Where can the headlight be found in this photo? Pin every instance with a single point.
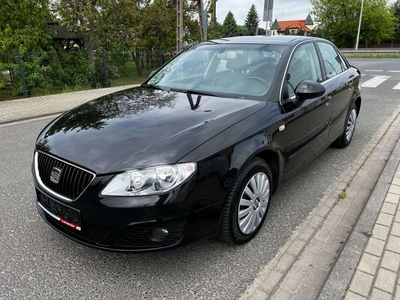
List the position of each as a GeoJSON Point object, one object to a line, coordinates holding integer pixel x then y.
{"type": "Point", "coordinates": [149, 181]}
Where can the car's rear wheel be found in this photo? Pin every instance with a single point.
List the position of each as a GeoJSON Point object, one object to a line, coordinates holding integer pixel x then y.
{"type": "Point", "coordinates": [247, 203]}
{"type": "Point", "coordinates": [344, 140]}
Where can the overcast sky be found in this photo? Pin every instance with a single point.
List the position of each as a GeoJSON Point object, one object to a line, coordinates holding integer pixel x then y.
{"type": "Point", "coordinates": [289, 9]}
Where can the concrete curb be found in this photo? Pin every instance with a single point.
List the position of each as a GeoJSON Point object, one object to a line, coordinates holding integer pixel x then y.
{"type": "Point", "coordinates": [300, 268]}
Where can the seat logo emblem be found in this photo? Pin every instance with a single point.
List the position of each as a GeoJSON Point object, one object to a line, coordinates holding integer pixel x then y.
{"type": "Point", "coordinates": [55, 175]}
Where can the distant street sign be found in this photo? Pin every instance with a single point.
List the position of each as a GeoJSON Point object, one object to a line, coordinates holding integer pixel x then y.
{"type": "Point", "coordinates": [271, 23]}
{"type": "Point", "coordinates": [268, 7]}
{"type": "Point", "coordinates": [268, 4]}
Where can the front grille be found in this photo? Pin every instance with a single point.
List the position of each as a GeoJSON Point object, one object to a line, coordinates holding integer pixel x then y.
{"type": "Point", "coordinates": [72, 181]}
{"type": "Point", "coordinates": [138, 236]}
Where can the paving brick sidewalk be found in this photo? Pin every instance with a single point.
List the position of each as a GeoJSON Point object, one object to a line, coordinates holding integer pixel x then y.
{"type": "Point", "coordinates": [27, 108]}
{"type": "Point", "coordinates": [377, 273]}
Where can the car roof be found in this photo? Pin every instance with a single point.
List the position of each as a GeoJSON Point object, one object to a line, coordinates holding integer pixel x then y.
{"type": "Point", "coordinates": [263, 39]}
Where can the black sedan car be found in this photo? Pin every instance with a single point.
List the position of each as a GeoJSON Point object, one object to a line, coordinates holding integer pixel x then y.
{"type": "Point", "coordinates": [199, 148]}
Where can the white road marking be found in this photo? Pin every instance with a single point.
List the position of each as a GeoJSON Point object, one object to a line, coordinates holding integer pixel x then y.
{"type": "Point", "coordinates": [394, 71]}
{"type": "Point", "coordinates": [373, 70]}
{"type": "Point", "coordinates": [375, 81]}
{"type": "Point", "coordinates": [397, 87]}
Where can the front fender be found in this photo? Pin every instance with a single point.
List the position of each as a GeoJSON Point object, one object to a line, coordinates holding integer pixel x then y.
{"type": "Point", "coordinates": [225, 154]}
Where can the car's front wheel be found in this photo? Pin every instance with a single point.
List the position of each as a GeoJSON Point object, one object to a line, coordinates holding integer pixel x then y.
{"type": "Point", "coordinates": [344, 140]}
{"type": "Point", "coordinates": [247, 203]}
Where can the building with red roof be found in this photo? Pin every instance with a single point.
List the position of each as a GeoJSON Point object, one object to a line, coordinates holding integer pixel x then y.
{"type": "Point", "coordinates": [292, 26]}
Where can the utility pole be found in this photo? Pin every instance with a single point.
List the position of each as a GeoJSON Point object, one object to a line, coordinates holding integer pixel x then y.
{"type": "Point", "coordinates": [202, 17]}
{"type": "Point", "coordinates": [213, 9]}
{"type": "Point", "coordinates": [179, 26]}
{"type": "Point", "coordinates": [268, 8]}
{"type": "Point", "coordinates": [203, 25]}
{"type": "Point", "coordinates": [359, 25]}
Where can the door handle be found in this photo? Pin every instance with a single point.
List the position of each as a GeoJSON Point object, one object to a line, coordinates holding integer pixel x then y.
{"type": "Point", "coordinates": [350, 86]}
{"type": "Point", "coordinates": [328, 100]}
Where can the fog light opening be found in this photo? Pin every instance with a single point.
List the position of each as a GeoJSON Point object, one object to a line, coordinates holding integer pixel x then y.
{"type": "Point", "coordinates": [159, 234]}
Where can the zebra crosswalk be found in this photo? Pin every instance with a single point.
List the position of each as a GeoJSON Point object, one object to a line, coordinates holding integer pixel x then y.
{"type": "Point", "coordinates": [373, 81]}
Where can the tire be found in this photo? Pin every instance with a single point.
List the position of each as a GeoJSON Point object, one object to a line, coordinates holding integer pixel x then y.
{"type": "Point", "coordinates": [247, 204]}
{"type": "Point", "coordinates": [344, 140]}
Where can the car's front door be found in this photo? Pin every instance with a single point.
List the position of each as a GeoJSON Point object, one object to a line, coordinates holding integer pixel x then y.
{"type": "Point", "coordinates": [307, 122]}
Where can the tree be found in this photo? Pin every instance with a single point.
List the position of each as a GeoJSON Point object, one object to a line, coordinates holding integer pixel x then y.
{"type": "Point", "coordinates": [215, 31]}
{"type": "Point", "coordinates": [287, 31]}
{"type": "Point", "coordinates": [300, 32]}
{"type": "Point", "coordinates": [23, 25]}
{"type": "Point", "coordinates": [262, 31]}
{"type": "Point", "coordinates": [378, 22]}
{"type": "Point", "coordinates": [82, 17]}
{"type": "Point", "coordinates": [159, 24]}
{"type": "Point", "coordinates": [339, 21]}
{"type": "Point", "coordinates": [241, 30]}
{"type": "Point", "coordinates": [229, 26]}
{"type": "Point", "coordinates": [396, 13]}
{"type": "Point", "coordinates": [252, 21]}
{"type": "Point", "coordinates": [120, 28]}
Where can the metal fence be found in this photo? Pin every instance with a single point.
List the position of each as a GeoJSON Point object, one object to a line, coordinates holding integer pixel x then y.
{"type": "Point", "coordinates": [373, 51]}
{"type": "Point", "coordinates": [33, 73]}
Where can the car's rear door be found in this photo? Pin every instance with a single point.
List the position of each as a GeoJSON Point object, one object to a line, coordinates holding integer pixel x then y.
{"type": "Point", "coordinates": [338, 77]}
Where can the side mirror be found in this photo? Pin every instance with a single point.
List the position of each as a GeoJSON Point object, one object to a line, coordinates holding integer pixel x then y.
{"type": "Point", "coordinates": [152, 73]}
{"type": "Point", "coordinates": [308, 89]}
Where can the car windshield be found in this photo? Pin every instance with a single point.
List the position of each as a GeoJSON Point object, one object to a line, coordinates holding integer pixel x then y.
{"type": "Point", "coordinates": [235, 70]}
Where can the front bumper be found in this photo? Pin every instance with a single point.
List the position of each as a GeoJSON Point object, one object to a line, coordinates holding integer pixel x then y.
{"type": "Point", "coordinates": [119, 223]}
{"type": "Point", "coordinates": [189, 212]}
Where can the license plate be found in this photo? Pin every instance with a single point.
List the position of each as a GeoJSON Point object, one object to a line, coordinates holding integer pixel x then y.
{"type": "Point", "coordinates": [62, 213]}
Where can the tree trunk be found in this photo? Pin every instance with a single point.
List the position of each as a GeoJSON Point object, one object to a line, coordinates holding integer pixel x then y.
{"type": "Point", "coordinates": [90, 52]}
{"type": "Point", "coordinates": [136, 59]}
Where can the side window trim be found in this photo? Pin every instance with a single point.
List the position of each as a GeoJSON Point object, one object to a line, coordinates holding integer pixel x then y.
{"type": "Point", "coordinates": [321, 62]}
{"type": "Point", "coordinates": [343, 60]}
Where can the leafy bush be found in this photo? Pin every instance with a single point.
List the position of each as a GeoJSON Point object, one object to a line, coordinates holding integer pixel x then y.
{"type": "Point", "coordinates": [5, 79]}
{"type": "Point", "coordinates": [75, 68]}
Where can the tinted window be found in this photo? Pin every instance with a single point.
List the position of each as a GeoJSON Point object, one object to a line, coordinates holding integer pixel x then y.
{"type": "Point", "coordinates": [334, 64]}
{"type": "Point", "coordinates": [304, 65]}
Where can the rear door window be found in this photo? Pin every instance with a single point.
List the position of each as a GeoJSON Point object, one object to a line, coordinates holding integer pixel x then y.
{"type": "Point", "coordinates": [333, 62]}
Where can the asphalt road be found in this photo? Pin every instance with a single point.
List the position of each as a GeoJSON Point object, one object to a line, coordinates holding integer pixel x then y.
{"type": "Point", "coordinates": [36, 262]}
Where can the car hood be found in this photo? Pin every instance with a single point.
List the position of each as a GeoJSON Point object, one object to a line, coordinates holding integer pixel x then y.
{"type": "Point", "coordinates": [138, 128]}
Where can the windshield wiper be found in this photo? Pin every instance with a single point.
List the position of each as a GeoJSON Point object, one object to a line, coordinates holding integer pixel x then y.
{"type": "Point", "coordinates": [192, 92]}
{"type": "Point", "coordinates": [153, 86]}
{"type": "Point", "coordinates": [189, 94]}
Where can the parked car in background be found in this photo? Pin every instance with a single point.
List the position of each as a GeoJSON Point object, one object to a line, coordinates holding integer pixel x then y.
{"type": "Point", "coordinates": [199, 148]}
